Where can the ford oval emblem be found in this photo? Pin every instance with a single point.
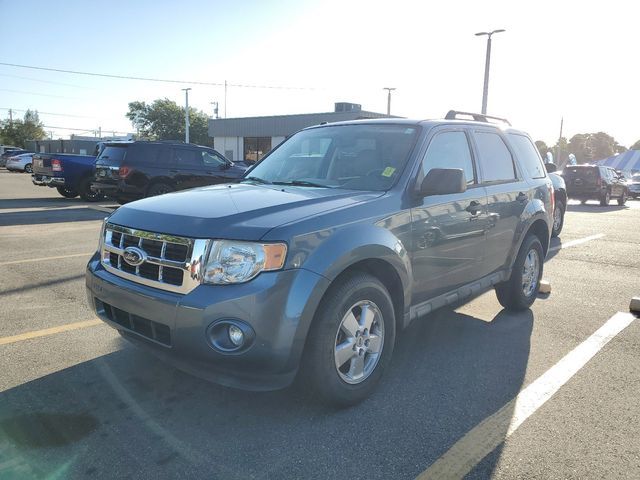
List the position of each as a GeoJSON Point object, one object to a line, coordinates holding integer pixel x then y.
{"type": "Point", "coordinates": [134, 256]}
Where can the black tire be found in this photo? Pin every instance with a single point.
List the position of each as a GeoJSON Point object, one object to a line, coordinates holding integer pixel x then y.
{"type": "Point", "coordinates": [159, 189]}
{"type": "Point", "coordinates": [557, 225]}
{"type": "Point", "coordinates": [67, 192]}
{"type": "Point", "coordinates": [319, 374]}
{"type": "Point", "coordinates": [511, 294]}
{"type": "Point", "coordinates": [623, 199]}
{"type": "Point", "coordinates": [583, 202]}
{"type": "Point", "coordinates": [122, 201]}
{"type": "Point", "coordinates": [28, 168]}
{"type": "Point", "coordinates": [88, 195]}
{"type": "Point", "coordinates": [605, 199]}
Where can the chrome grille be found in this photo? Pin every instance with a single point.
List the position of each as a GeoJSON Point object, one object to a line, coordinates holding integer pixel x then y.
{"type": "Point", "coordinates": [169, 262]}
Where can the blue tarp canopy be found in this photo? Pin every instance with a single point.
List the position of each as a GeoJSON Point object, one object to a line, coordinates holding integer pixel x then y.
{"type": "Point", "coordinates": [627, 161]}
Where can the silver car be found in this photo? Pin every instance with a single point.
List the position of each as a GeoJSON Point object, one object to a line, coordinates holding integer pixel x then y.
{"type": "Point", "coordinates": [20, 163]}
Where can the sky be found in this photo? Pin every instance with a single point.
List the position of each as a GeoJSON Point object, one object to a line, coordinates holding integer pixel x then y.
{"type": "Point", "coordinates": [575, 60]}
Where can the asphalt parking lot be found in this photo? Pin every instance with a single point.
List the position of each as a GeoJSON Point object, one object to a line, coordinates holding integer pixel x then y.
{"type": "Point", "coordinates": [77, 401]}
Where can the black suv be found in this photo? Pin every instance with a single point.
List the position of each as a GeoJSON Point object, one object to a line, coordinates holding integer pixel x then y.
{"type": "Point", "coordinates": [331, 243]}
{"type": "Point", "coordinates": [129, 171]}
{"type": "Point", "coordinates": [592, 182]}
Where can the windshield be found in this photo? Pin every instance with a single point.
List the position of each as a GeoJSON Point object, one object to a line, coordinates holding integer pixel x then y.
{"type": "Point", "coordinates": [356, 157]}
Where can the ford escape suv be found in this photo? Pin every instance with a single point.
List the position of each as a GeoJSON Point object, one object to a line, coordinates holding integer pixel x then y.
{"type": "Point", "coordinates": [327, 247]}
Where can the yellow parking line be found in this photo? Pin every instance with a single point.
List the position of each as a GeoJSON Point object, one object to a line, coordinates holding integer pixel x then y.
{"type": "Point", "coordinates": [481, 440]}
{"type": "Point", "coordinates": [49, 331]}
{"type": "Point", "coordinates": [44, 259]}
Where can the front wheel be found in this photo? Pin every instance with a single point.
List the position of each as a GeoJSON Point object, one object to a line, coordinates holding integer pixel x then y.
{"type": "Point", "coordinates": [558, 219]}
{"type": "Point", "coordinates": [67, 192]}
{"type": "Point", "coordinates": [159, 189]}
{"type": "Point", "coordinates": [350, 341]}
{"type": "Point", "coordinates": [519, 292]}
{"type": "Point", "coordinates": [605, 199]}
{"type": "Point", "coordinates": [623, 199]}
{"type": "Point", "coordinates": [28, 168]}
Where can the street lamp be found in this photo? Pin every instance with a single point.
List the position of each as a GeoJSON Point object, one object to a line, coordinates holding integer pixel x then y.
{"type": "Point", "coordinates": [485, 91]}
{"type": "Point", "coordinates": [389, 90]}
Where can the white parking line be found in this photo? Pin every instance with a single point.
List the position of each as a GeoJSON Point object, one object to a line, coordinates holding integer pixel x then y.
{"type": "Point", "coordinates": [579, 241]}
{"type": "Point", "coordinates": [480, 441]}
{"type": "Point", "coordinates": [44, 259]}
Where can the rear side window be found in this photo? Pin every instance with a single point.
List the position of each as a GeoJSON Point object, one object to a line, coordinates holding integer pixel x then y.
{"type": "Point", "coordinates": [495, 158]}
{"type": "Point", "coordinates": [528, 155]}
{"type": "Point", "coordinates": [450, 150]}
{"type": "Point", "coordinates": [187, 158]}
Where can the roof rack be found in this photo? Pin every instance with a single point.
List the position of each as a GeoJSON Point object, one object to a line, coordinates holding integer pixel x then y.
{"type": "Point", "coordinates": [478, 117]}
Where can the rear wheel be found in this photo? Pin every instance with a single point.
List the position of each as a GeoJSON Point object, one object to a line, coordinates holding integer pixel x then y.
{"type": "Point", "coordinates": [605, 199]}
{"type": "Point", "coordinates": [159, 189]}
{"type": "Point", "coordinates": [623, 199]}
{"type": "Point", "coordinates": [519, 292]}
{"type": "Point", "coordinates": [86, 193]}
{"type": "Point", "coordinates": [28, 168]}
{"type": "Point", "coordinates": [558, 219]}
{"type": "Point", "coordinates": [350, 341]}
{"type": "Point", "coordinates": [67, 192]}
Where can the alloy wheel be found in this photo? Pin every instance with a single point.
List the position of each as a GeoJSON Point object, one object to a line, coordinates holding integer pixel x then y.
{"type": "Point", "coordinates": [530, 273]}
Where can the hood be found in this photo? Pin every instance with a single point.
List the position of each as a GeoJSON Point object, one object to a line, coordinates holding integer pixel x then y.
{"type": "Point", "coordinates": [232, 211]}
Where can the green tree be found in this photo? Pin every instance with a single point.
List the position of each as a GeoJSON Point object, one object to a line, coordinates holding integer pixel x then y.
{"type": "Point", "coordinates": [542, 148]}
{"type": "Point", "coordinates": [591, 147]}
{"type": "Point", "coordinates": [18, 132]}
{"type": "Point", "coordinates": [164, 120]}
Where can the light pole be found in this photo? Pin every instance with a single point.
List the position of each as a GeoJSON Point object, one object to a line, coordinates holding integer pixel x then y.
{"type": "Point", "coordinates": [485, 90]}
{"type": "Point", "coordinates": [186, 116]}
{"type": "Point", "coordinates": [389, 90]}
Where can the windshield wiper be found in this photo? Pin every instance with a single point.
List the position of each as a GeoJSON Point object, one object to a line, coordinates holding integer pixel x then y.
{"type": "Point", "coordinates": [301, 183]}
{"type": "Point", "coordinates": [257, 180]}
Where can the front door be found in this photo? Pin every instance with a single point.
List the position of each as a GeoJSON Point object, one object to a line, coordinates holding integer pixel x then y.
{"type": "Point", "coordinates": [448, 231]}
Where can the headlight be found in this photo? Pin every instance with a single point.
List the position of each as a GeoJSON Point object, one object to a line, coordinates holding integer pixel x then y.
{"type": "Point", "coordinates": [237, 262]}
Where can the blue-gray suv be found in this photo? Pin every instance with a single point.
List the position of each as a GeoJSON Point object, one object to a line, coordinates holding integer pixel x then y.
{"type": "Point", "coordinates": [327, 247]}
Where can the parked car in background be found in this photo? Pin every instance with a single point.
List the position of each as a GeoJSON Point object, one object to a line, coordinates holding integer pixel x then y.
{"type": "Point", "coordinates": [11, 152]}
{"type": "Point", "coordinates": [20, 163]}
{"type": "Point", "coordinates": [634, 185]}
{"type": "Point", "coordinates": [130, 171]}
{"type": "Point", "coordinates": [592, 182]}
{"type": "Point", "coordinates": [335, 240]}
{"type": "Point", "coordinates": [70, 174]}
{"type": "Point", "coordinates": [560, 194]}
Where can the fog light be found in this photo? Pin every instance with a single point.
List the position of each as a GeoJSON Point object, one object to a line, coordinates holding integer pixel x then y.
{"type": "Point", "coordinates": [236, 336]}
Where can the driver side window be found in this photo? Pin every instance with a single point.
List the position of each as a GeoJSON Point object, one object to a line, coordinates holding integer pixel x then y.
{"type": "Point", "coordinates": [450, 150]}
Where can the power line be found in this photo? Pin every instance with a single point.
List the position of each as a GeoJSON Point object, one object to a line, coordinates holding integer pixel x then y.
{"type": "Point", "coordinates": [46, 113]}
{"type": "Point", "coordinates": [151, 79]}
{"type": "Point", "coordinates": [42, 81]}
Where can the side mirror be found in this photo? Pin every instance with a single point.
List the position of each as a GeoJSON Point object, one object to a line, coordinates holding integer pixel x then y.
{"type": "Point", "coordinates": [551, 167]}
{"type": "Point", "coordinates": [443, 181]}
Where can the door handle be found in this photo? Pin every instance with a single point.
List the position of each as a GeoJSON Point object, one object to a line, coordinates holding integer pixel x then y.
{"type": "Point", "coordinates": [522, 197]}
{"type": "Point", "coordinates": [473, 207]}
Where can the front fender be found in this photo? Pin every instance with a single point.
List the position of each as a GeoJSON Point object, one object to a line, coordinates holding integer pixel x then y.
{"type": "Point", "coordinates": [535, 211]}
{"type": "Point", "coordinates": [329, 253]}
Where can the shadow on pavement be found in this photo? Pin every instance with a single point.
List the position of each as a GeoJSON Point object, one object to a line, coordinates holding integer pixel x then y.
{"type": "Point", "coordinates": [79, 214]}
{"type": "Point", "coordinates": [595, 207]}
{"type": "Point", "coordinates": [48, 283]}
{"type": "Point", "coordinates": [53, 202]}
{"type": "Point", "coordinates": [127, 415]}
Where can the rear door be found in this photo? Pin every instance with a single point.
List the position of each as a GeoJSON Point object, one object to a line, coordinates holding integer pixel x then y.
{"type": "Point", "coordinates": [108, 163]}
{"type": "Point", "coordinates": [448, 231]}
{"type": "Point", "coordinates": [507, 195]}
{"type": "Point", "coordinates": [188, 168]}
{"type": "Point", "coordinates": [582, 181]}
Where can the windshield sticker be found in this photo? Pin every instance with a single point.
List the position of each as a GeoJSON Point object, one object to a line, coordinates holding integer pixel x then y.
{"type": "Point", "coordinates": [388, 171]}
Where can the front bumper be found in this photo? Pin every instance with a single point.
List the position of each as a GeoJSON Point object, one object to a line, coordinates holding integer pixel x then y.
{"type": "Point", "coordinates": [47, 181]}
{"type": "Point", "coordinates": [278, 306]}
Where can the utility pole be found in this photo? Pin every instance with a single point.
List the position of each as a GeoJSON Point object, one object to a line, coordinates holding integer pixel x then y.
{"type": "Point", "coordinates": [100, 133]}
{"type": "Point", "coordinates": [215, 109]}
{"type": "Point", "coordinates": [225, 99]}
{"type": "Point", "coordinates": [186, 116]}
{"type": "Point", "coordinates": [487, 62]}
{"type": "Point", "coordinates": [389, 90]}
{"type": "Point", "coordinates": [11, 117]}
{"type": "Point", "coordinates": [559, 150]}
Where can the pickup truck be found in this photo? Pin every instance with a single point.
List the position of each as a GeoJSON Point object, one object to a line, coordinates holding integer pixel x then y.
{"type": "Point", "coordinates": [70, 174]}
